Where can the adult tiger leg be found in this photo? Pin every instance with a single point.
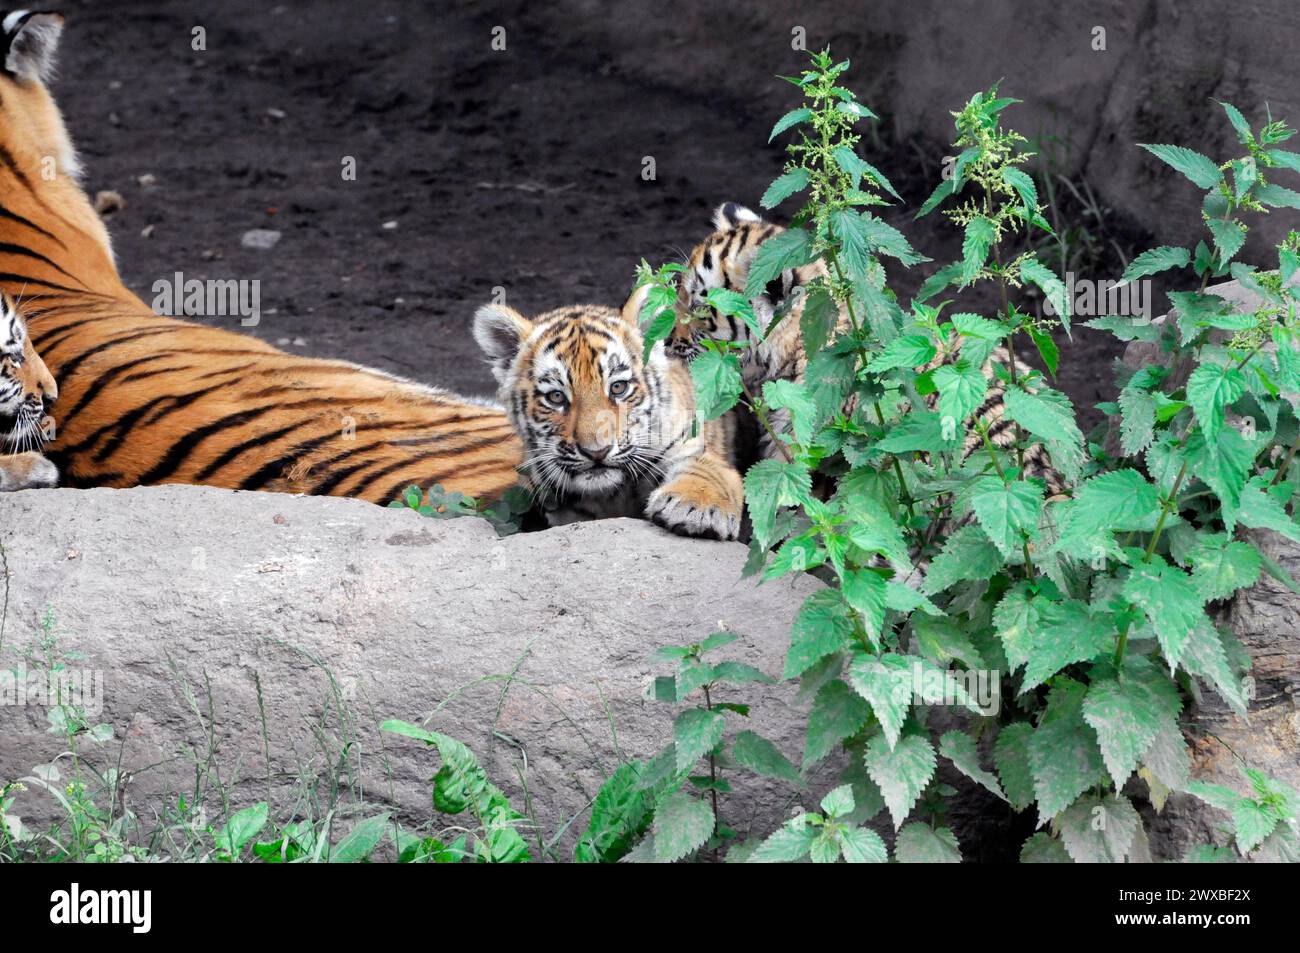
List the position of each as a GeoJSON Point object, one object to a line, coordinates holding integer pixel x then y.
{"type": "Point", "coordinates": [26, 471]}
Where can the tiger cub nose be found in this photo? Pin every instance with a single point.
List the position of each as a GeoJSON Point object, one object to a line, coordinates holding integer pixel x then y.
{"type": "Point", "coordinates": [598, 454]}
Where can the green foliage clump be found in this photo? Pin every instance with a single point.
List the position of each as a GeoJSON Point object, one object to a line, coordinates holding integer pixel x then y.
{"type": "Point", "coordinates": [1073, 625]}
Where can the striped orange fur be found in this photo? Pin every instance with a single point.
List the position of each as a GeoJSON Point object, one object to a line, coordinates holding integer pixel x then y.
{"type": "Point", "coordinates": [149, 399]}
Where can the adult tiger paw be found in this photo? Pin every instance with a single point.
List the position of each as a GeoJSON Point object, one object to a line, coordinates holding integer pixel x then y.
{"type": "Point", "coordinates": [675, 507]}
{"type": "Point", "coordinates": [27, 471]}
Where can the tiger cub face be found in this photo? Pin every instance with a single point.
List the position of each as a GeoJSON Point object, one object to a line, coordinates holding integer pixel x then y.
{"type": "Point", "coordinates": [26, 385]}
{"type": "Point", "coordinates": [722, 261]}
{"type": "Point", "coordinates": [591, 413]}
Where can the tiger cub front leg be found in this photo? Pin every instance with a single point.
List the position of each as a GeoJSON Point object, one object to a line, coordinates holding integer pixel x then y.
{"type": "Point", "coordinates": [26, 471]}
{"type": "Point", "coordinates": [702, 496]}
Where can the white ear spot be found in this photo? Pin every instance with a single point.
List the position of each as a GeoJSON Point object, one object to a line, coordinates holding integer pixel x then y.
{"type": "Point", "coordinates": [729, 215]}
{"type": "Point", "coordinates": [33, 42]}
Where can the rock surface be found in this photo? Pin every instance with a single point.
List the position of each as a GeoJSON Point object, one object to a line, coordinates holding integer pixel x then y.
{"type": "Point", "coordinates": [338, 614]}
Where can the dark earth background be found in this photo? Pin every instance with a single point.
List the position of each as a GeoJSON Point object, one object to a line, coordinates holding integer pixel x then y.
{"type": "Point", "coordinates": [522, 168]}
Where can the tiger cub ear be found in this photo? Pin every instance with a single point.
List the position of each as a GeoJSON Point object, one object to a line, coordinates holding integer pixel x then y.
{"type": "Point", "coordinates": [631, 310]}
{"type": "Point", "coordinates": [31, 41]}
{"type": "Point", "coordinates": [729, 215]}
{"type": "Point", "coordinates": [500, 331]}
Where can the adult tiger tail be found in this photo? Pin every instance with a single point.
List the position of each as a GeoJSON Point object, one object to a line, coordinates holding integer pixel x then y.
{"type": "Point", "coordinates": [149, 399]}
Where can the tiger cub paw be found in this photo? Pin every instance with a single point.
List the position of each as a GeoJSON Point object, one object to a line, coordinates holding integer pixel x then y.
{"type": "Point", "coordinates": [691, 506]}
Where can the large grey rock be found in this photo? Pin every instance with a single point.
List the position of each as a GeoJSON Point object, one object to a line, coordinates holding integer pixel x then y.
{"type": "Point", "coordinates": [204, 608]}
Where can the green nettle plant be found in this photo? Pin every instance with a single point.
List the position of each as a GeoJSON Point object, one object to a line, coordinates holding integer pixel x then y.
{"type": "Point", "coordinates": [668, 808]}
{"type": "Point", "coordinates": [1072, 628]}
{"type": "Point", "coordinates": [505, 514]}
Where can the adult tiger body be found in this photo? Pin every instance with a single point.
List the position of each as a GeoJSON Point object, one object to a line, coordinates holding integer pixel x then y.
{"type": "Point", "coordinates": [150, 399]}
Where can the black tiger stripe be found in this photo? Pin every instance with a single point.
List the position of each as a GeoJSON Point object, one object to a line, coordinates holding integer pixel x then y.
{"type": "Point", "coordinates": [100, 382]}
{"type": "Point", "coordinates": [68, 368]}
{"type": "Point", "coordinates": [28, 223]}
{"type": "Point", "coordinates": [8, 248]}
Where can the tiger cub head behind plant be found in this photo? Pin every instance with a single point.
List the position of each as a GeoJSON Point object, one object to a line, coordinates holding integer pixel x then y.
{"type": "Point", "coordinates": [723, 260]}
{"type": "Point", "coordinates": [607, 433]}
{"type": "Point", "coordinates": [26, 391]}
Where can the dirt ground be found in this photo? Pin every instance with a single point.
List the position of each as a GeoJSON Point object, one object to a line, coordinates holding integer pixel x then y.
{"type": "Point", "coordinates": [519, 169]}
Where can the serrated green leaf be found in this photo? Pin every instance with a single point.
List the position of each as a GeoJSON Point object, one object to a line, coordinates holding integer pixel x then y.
{"type": "Point", "coordinates": [1138, 419]}
{"type": "Point", "coordinates": [968, 554]}
{"type": "Point", "coordinates": [961, 390]}
{"type": "Point", "coordinates": [864, 590]}
{"type": "Point", "coordinates": [1070, 632]}
{"type": "Point", "coordinates": [1097, 830]}
{"type": "Point", "coordinates": [1210, 389]}
{"type": "Point", "coordinates": [861, 845]}
{"type": "Point", "coordinates": [1203, 655]}
{"type": "Point", "coordinates": [1220, 570]}
{"type": "Point", "coordinates": [620, 813]}
{"type": "Point", "coordinates": [1200, 169]}
{"type": "Point", "coordinates": [1031, 269]}
{"type": "Point", "coordinates": [822, 626]}
{"type": "Point", "coordinates": [798, 401]}
{"type": "Point", "coordinates": [1011, 756]}
{"type": "Point", "coordinates": [1018, 623]}
{"type": "Point", "coordinates": [1043, 848]}
{"type": "Point", "coordinates": [769, 485]}
{"type": "Point", "coordinates": [793, 118]}
{"type": "Point", "coordinates": [912, 350]}
{"type": "Point", "coordinates": [717, 381]}
{"type": "Point", "coordinates": [1170, 601]}
{"type": "Point", "coordinates": [1252, 822]}
{"type": "Point", "coordinates": [1049, 419]}
{"type": "Point", "coordinates": [922, 431]}
{"type": "Point", "coordinates": [886, 682]}
{"type": "Point", "coordinates": [696, 732]}
{"type": "Point", "coordinates": [784, 250]}
{"type": "Point", "coordinates": [786, 185]}
{"type": "Point", "coordinates": [958, 748]}
{"type": "Point", "coordinates": [1063, 752]}
{"type": "Point", "coordinates": [1125, 721]}
{"type": "Point", "coordinates": [1229, 236]}
{"type": "Point", "coordinates": [837, 713]}
{"type": "Point", "coordinates": [901, 771]}
{"type": "Point", "coordinates": [943, 641]}
{"type": "Point", "coordinates": [1155, 260]}
{"type": "Point", "coordinates": [682, 825]}
{"type": "Point", "coordinates": [1008, 512]}
{"type": "Point", "coordinates": [759, 755]}
{"type": "Point", "coordinates": [975, 246]}
{"type": "Point", "coordinates": [921, 844]}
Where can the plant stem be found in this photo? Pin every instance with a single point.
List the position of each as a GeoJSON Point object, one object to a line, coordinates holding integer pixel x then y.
{"type": "Point", "coordinates": [1281, 471]}
{"type": "Point", "coordinates": [756, 407]}
{"type": "Point", "coordinates": [1166, 508]}
{"type": "Point", "coordinates": [713, 770]}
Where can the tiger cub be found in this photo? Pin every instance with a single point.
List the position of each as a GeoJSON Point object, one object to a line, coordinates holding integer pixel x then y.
{"type": "Point", "coordinates": [723, 260]}
{"type": "Point", "coordinates": [605, 433]}
{"type": "Point", "coordinates": [26, 388]}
